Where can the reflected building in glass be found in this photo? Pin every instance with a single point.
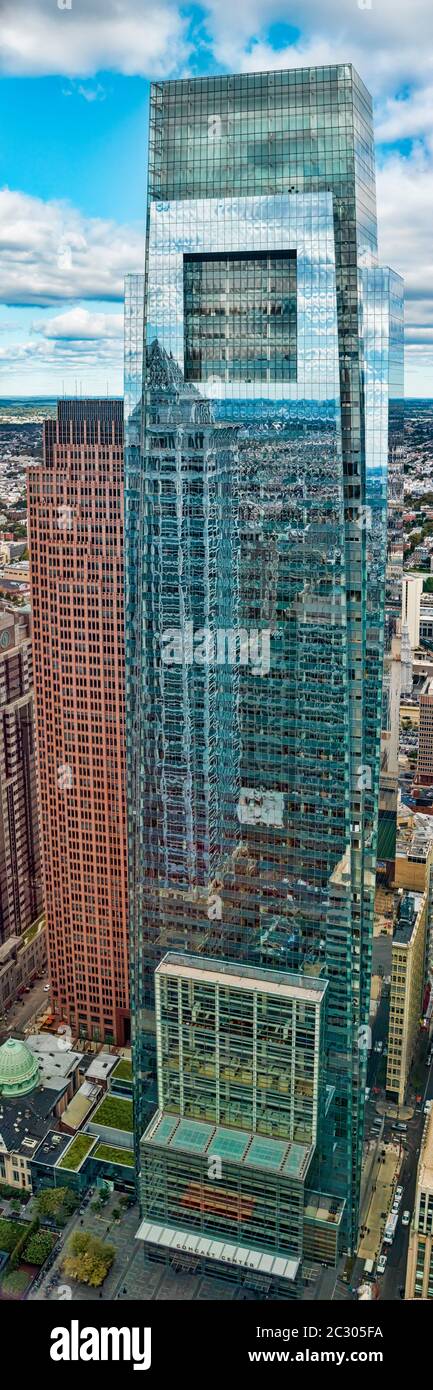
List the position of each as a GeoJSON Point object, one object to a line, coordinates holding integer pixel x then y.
{"type": "Point", "coordinates": [263, 355]}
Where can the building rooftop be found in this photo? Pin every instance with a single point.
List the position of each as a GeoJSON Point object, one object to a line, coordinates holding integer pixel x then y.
{"type": "Point", "coordinates": [52, 1147]}
{"type": "Point", "coordinates": [425, 1167]}
{"type": "Point", "coordinates": [285, 1157]}
{"type": "Point", "coordinates": [81, 1104]}
{"type": "Point", "coordinates": [321, 1207]}
{"type": "Point", "coordinates": [214, 971]}
{"type": "Point", "coordinates": [101, 1066]}
{"type": "Point", "coordinates": [407, 924]}
{"type": "Point", "coordinates": [19, 1069]}
{"type": "Point", "coordinates": [55, 1062]}
{"type": "Point", "coordinates": [24, 1120]}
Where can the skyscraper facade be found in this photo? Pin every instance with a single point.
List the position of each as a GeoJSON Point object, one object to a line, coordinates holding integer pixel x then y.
{"type": "Point", "coordinates": [419, 1273]}
{"type": "Point", "coordinates": [229, 1160]}
{"type": "Point", "coordinates": [21, 899]}
{"type": "Point", "coordinates": [76, 550]}
{"type": "Point", "coordinates": [256, 541]}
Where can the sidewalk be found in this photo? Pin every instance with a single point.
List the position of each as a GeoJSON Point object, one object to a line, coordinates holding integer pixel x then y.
{"type": "Point", "coordinates": [380, 1204]}
{"type": "Point", "coordinates": [121, 1235]}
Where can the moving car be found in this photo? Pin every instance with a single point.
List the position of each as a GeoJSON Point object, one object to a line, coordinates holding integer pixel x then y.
{"type": "Point", "coordinates": [405, 1218]}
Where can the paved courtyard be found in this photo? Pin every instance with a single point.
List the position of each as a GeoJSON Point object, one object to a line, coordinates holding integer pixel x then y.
{"type": "Point", "coordinates": [131, 1275]}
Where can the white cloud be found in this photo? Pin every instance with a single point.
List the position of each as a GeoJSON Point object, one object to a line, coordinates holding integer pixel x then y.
{"type": "Point", "coordinates": [46, 367]}
{"type": "Point", "coordinates": [40, 37]}
{"type": "Point", "coordinates": [79, 325]}
{"type": "Point", "coordinates": [92, 93]}
{"type": "Point", "coordinates": [50, 252]}
{"type": "Point", "coordinates": [405, 215]}
{"type": "Point", "coordinates": [389, 41]}
{"type": "Point", "coordinates": [406, 118]}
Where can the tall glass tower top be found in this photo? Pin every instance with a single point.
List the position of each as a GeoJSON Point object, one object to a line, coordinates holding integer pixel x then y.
{"type": "Point", "coordinates": [256, 512]}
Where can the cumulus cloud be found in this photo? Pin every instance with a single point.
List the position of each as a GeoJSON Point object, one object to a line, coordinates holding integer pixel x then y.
{"type": "Point", "coordinates": [51, 255]}
{"type": "Point", "coordinates": [405, 211]}
{"type": "Point", "coordinates": [50, 252]}
{"type": "Point", "coordinates": [389, 42]}
{"type": "Point", "coordinates": [79, 325]}
{"type": "Point", "coordinates": [42, 37]}
{"type": "Point", "coordinates": [39, 365]}
{"type": "Point", "coordinates": [382, 38]}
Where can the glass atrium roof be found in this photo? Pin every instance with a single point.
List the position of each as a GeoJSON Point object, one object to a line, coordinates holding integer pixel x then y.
{"type": "Point", "coordinates": [289, 1159]}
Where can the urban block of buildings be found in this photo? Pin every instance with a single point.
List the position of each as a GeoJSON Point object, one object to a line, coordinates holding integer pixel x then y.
{"type": "Point", "coordinates": [65, 1117]}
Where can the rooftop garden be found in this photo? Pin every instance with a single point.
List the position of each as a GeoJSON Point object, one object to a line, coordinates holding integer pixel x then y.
{"type": "Point", "coordinates": [33, 930]}
{"type": "Point", "coordinates": [115, 1112]}
{"type": "Point", "coordinates": [109, 1154]}
{"type": "Point", "coordinates": [123, 1071]}
{"type": "Point", "coordinates": [14, 1285]}
{"type": "Point", "coordinates": [75, 1155]}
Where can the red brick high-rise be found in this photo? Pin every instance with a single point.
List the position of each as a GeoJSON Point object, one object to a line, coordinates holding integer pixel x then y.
{"type": "Point", "coordinates": [75, 502]}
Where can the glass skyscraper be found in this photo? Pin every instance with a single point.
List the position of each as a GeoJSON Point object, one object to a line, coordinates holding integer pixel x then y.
{"type": "Point", "coordinates": [263, 349]}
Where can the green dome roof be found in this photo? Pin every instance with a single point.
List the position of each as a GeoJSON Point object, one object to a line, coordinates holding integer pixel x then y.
{"type": "Point", "coordinates": [19, 1069]}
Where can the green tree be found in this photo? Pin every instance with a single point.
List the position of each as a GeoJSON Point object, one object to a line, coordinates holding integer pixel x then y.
{"type": "Point", "coordinates": [87, 1259]}
{"type": "Point", "coordinates": [38, 1248]}
{"type": "Point", "coordinates": [58, 1202]}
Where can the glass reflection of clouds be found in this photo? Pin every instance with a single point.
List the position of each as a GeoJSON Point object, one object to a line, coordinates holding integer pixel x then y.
{"type": "Point", "coordinates": [301, 223]}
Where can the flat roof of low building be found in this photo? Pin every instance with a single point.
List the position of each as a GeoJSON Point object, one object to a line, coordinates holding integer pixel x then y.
{"type": "Point", "coordinates": [24, 1120]}
{"type": "Point", "coordinates": [101, 1066]}
{"type": "Point", "coordinates": [322, 1207]}
{"type": "Point", "coordinates": [52, 1147]}
{"type": "Point", "coordinates": [284, 1157]}
{"type": "Point", "coordinates": [407, 927]}
{"type": "Point", "coordinates": [213, 971]}
{"type": "Point", "coordinates": [425, 1167]}
{"type": "Point", "coordinates": [81, 1105]}
{"type": "Point", "coordinates": [55, 1060]}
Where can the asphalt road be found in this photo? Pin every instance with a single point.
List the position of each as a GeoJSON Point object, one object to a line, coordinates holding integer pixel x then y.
{"type": "Point", "coordinates": [395, 1274]}
{"type": "Point", "coordinates": [380, 1034]}
{"type": "Point", "coordinates": [24, 1011]}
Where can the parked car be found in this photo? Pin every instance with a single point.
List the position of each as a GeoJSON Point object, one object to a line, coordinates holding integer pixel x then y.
{"type": "Point", "coordinates": [46, 989]}
{"type": "Point", "coordinates": [405, 1220]}
{"type": "Point", "coordinates": [399, 1193]}
{"type": "Point", "coordinates": [381, 1264]}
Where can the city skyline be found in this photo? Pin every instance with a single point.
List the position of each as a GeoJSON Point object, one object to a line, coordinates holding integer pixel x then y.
{"type": "Point", "coordinates": [73, 232]}
{"type": "Point", "coordinates": [216, 665]}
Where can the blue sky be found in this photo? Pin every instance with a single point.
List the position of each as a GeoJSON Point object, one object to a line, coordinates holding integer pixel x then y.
{"type": "Point", "coordinates": [73, 123]}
